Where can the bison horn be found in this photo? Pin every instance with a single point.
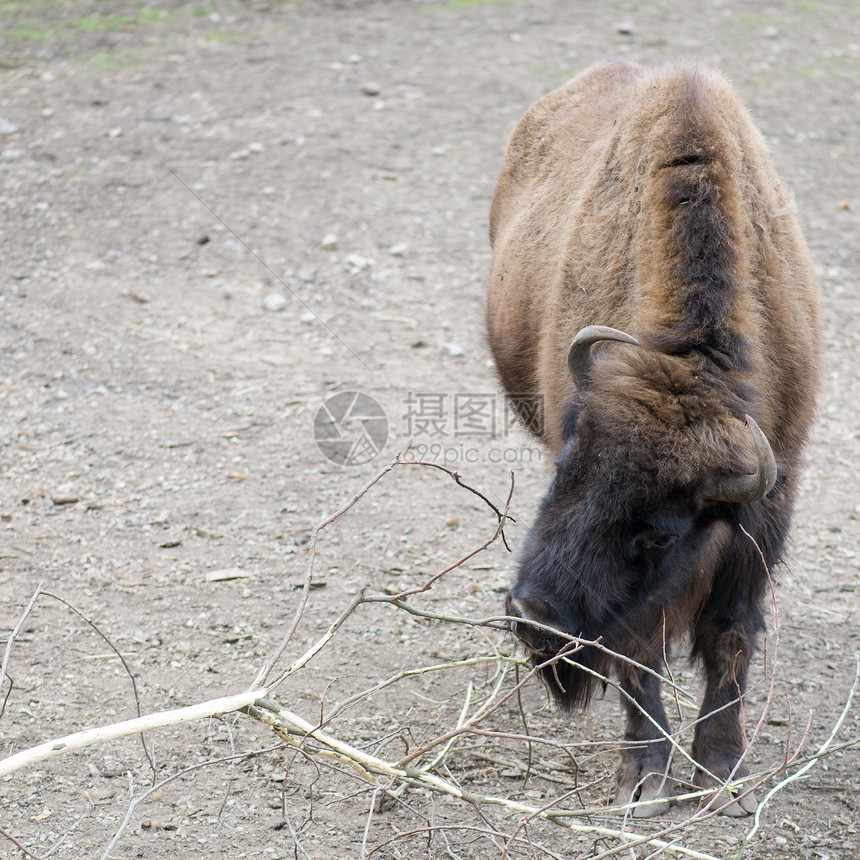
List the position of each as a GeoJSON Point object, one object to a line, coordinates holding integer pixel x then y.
{"type": "Point", "coordinates": [749, 488]}
{"type": "Point", "coordinates": [579, 354]}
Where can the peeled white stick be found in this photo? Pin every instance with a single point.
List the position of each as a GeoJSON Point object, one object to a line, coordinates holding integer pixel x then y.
{"type": "Point", "coordinates": [158, 720]}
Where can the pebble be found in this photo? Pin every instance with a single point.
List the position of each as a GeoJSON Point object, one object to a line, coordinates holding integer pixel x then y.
{"type": "Point", "coordinates": [398, 250]}
{"type": "Point", "coordinates": [329, 242]}
{"type": "Point", "coordinates": [308, 275]}
{"type": "Point", "coordinates": [226, 574]}
{"type": "Point", "coordinates": [454, 350]}
{"type": "Point", "coordinates": [770, 33]}
{"type": "Point", "coordinates": [275, 302]}
{"type": "Point", "coordinates": [7, 127]}
{"type": "Point", "coordinates": [370, 89]}
{"type": "Point", "coordinates": [357, 262]}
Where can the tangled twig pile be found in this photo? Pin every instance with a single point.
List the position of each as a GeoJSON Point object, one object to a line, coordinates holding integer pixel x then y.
{"type": "Point", "coordinates": [428, 766]}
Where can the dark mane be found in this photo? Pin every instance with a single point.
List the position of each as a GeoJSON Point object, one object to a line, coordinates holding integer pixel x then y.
{"type": "Point", "coordinates": [696, 193]}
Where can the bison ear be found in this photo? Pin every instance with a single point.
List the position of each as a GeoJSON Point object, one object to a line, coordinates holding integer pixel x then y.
{"type": "Point", "coordinates": [579, 354]}
{"type": "Point", "coordinates": [532, 609]}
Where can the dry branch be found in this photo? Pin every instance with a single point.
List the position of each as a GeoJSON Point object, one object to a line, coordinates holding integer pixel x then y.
{"type": "Point", "coordinates": [300, 733]}
{"type": "Point", "coordinates": [158, 720]}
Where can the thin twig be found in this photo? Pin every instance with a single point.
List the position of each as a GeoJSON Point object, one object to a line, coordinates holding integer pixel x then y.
{"type": "Point", "coordinates": [125, 666]}
{"type": "Point", "coordinates": [8, 652]}
{"type": "Point", "coordinates": [822, 750]}
{"type": "Point", "coordinates": [264, 673]}
{"type": "Point", "coordinates": [28, 853]}
{"type": "Point", "coordinates": [503, 517]}
{"type": "Point", "coordinates": [134, 802]}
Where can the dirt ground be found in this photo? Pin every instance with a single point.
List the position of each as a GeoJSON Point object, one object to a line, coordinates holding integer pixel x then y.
{"type": "Point", "coordinates": [213, 218]}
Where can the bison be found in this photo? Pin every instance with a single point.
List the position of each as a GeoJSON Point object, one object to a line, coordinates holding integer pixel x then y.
{"type": "Point", "coordinates": [651, 287]}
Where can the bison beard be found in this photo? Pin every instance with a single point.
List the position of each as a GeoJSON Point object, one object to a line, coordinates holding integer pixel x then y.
{"type": "Point", "coordinates": [645, 199]}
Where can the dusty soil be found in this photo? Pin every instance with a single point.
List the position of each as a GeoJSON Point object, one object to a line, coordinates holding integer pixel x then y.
{"type": "Point", "coordinates": [214, 217]}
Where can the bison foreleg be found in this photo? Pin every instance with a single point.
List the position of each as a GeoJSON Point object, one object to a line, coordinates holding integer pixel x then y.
{"type": "Point", "coordinates": [718, 743]}
{"type": "Point", "coordinates": [643, 774]}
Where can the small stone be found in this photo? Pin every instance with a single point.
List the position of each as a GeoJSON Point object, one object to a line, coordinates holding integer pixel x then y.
{"type": "Point", "coordinates": [60, 500]}
{"type": "Point", "coordinates": [357, 262]}
{"type": "Point", "coordinates": [770, 33]}
{"type": "Point", "coordinates": [844, 205]}
{"type": "Point", "coordinates": [329, 242]}
{"type": "Point", "coordinates": [370, 89]}
{"type": "Point", "coordinates": [7, 127]}
{"type": "Point", "coordinates": [275, 302]}
{"type": "Point", "coordinates": [398, 250]}
{"type": "Point", "coordinates": [308, 275]}
{"type": "Point", "coordinates": [454, 350]}
{"type": "Point", "coordinates": [226, 574]}
{"type": "Point", "coordinates": [625, 28]}
{"type": "Point", "coordinates": [115, 132]}
{"type": "Point", "coordinates": [353, 59]}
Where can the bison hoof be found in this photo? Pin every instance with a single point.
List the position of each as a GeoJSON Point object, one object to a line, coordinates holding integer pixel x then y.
{"type": "Point", "coordinates": [648, 797]}
{"type": "Point", "coordinates": [736, 803]}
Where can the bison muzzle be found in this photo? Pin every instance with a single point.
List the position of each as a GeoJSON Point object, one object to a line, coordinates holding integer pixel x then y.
{"type": "Point", "coordinates": [650, 284]}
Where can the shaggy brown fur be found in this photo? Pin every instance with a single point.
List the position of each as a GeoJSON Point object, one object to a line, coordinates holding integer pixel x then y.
{"type": "Point", "coordinates": [644, 199]}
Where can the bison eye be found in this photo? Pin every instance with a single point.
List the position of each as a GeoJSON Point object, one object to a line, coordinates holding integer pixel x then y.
{"type": "Point", "coordinates": [654, 545]}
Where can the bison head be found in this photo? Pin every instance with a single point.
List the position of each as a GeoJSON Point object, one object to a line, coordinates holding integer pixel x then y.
{"type": "Point", "coordinates": [655, 460]}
